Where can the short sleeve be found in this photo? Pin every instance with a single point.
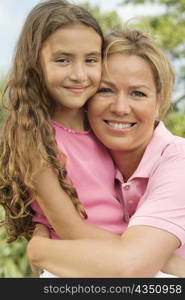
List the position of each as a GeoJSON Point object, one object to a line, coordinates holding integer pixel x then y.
{"type": "Point", "coordinates": [163, 203]}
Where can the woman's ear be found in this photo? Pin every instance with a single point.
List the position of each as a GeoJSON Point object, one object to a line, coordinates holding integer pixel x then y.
{"type": "Point", "coordinates": [158, 103]}
{"type": "Point", "coordinates": [157, 112]}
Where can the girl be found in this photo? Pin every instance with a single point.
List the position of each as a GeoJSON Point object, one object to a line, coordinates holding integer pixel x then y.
{"type": "Point", "coordinates": [57, 67]}
{"type": "Point", "coordinates": [135, 89]}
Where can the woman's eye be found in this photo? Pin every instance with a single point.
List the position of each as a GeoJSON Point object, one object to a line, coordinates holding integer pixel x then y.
{"type": "Point", "coordinates": [91, 60]}
{"type": "Point", "coordinates": [104, 91]}
{"type": "Point", "coordinates": [138, 94]}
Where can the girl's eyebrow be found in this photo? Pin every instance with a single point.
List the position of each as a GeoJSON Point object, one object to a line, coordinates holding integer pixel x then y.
{"type": "Point", "coordinates": [61, 53]}
{"type": "Point", "coordinates": [97, 53]}
{"type": "Point", "coordinates": [58, 53]}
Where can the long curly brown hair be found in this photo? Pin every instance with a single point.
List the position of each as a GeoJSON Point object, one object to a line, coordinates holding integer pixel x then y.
{"type": "Point", "coordinates": [28, 130]}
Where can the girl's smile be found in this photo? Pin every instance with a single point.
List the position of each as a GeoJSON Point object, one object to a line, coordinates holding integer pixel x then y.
{"type": "Point", "coordinates": [72, 68]}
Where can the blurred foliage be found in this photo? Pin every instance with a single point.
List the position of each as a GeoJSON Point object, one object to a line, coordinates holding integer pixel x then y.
{"type": "Point", "coordinates": [13, 258]}
{"type": "Point", "coordinates": [108, 20]}
{"type": "Point", "coordinates": [169, 25]}
{"type": "Point", "coordinates": [175, 122]}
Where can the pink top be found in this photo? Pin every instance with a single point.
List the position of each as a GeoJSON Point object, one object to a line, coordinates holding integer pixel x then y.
{"type": "Point", "coordinates": [90, 167]}
{"type": "Point", "coordinates": [155, 194]}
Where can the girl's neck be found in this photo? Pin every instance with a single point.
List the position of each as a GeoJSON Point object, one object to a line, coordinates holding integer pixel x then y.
{"type": "Point", "coordinates": [71, 118]}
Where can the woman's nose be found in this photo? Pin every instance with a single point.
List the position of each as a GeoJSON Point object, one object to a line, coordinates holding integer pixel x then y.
{"type": "Point", "coordinates": [120, 105]}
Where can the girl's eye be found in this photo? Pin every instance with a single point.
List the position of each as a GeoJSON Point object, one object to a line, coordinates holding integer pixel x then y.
{"type": "Point", "coordinates": [62, 60]}
{"type": "Point", "coordinates": [138, 94]}
{"type": "Point", "coordinates": [104, 91]}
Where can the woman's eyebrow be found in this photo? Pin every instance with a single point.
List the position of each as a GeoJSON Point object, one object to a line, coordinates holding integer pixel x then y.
{"type": "Point", "coordinates": [139, 86]}
{"type": "Point", "coordinates": [107, 82]}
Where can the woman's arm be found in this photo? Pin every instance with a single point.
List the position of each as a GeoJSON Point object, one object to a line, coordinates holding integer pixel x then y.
{"type": "Point", "coordinates": [60, 211]}
{"type": "Point", "coordinates": [40, 231]}
{"type": "Point", "coordinates": [140, 252]}
{"type": "Point", "coordinates": [175, 265]}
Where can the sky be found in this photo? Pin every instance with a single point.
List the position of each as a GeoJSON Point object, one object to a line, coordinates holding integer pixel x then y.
{"type": "Point", "coordinates": [13, 13]}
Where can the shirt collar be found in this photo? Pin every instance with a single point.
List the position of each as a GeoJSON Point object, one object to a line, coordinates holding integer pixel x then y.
{"type": "Point", "coordinates": [160, 140]}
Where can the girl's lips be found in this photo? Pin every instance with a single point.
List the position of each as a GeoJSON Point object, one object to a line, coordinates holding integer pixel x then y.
{"type": "Point", "coordinates": [76, 90]}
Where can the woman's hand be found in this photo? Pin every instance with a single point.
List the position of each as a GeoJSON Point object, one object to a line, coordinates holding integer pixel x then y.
{"type": "Point", "coordinates": [39, 231]}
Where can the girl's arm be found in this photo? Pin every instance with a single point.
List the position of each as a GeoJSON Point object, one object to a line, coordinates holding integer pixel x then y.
{"type": "Point", "coordinates": [140, 252]}
{"type": "Point", "coordinates": [60, 211]}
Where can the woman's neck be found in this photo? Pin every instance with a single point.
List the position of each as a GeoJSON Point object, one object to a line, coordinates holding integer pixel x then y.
{"type": "Point", "coordinates": [127, 161]}
{"type": "Point", "coordinates": [71, 118]}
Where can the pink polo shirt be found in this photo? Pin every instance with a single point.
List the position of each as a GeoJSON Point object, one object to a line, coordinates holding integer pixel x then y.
{"type": "Point", "coordinates": [155, 194]}
{"type": "Point", "coordinates": [92, 171]}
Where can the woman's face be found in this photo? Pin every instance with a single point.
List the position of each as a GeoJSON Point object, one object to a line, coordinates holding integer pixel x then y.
{"type": "Point", "coordinates": [123, 111]}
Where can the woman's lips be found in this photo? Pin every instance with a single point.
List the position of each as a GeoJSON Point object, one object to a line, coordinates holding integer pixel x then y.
{"type": "Point", "coordinates": [123, 126]}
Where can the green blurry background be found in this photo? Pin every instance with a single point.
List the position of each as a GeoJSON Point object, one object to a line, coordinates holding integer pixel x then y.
{"type": "Point", "coordinates": [169, 31]}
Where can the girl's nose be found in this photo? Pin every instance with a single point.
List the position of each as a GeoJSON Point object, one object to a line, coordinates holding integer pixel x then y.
{"type": "Point", "coordinates": [78, 72]}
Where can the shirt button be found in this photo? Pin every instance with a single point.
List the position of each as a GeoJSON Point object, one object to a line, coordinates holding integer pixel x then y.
{"type": "Point", "coordinates": [126, 186]}
{"type": "Point", "coordinates": [130, 201]}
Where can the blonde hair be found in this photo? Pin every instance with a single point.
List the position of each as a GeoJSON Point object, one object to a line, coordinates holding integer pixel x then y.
{"type": "Point", "coordinates": [28, 129]}
{"type": "Point", "coordinates": [134, 42]}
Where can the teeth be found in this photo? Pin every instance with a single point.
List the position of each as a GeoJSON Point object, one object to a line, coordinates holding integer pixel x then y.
{"type": "Point", "coordinates": [119, 125]}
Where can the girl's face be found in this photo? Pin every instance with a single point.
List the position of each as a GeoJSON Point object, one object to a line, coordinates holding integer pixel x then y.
{"type": "Point", "coordinates": [124, 109]}
{"type": "Point", "coordinates": [71, 64]}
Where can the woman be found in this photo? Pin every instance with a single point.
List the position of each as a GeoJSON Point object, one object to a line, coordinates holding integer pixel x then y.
{"type": "Point", "coordinates": [135, 90]}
